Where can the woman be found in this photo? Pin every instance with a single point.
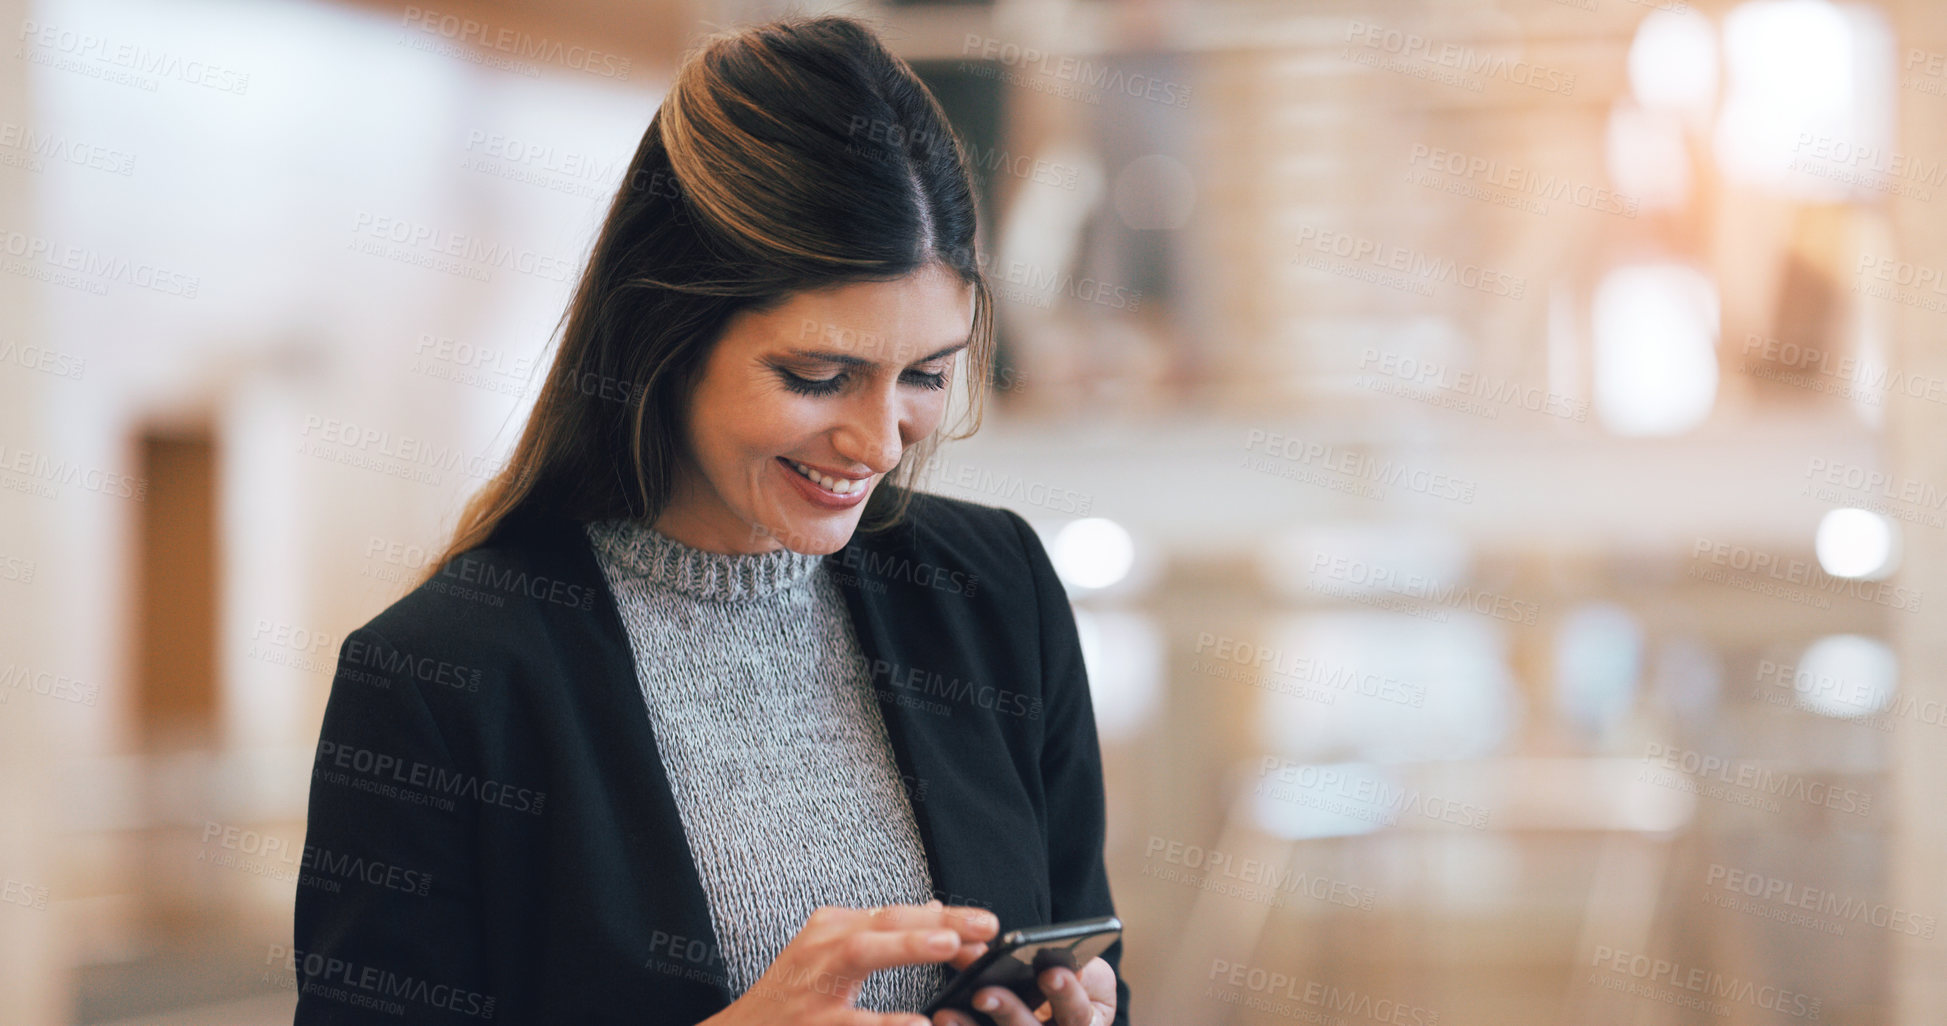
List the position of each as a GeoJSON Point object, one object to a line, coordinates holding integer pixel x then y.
{"type": "Point", "coordinates": [705, 716]}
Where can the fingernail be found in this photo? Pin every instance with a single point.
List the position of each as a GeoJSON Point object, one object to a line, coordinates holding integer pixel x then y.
{"type": "Point", "coordinates": [1059, 982]}
{"type": "Point", "coordinates": [986, 1002]}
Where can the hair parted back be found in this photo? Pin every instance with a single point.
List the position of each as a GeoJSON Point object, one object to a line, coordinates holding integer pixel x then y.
{"type": "Point", "coordinates": [789, 156]}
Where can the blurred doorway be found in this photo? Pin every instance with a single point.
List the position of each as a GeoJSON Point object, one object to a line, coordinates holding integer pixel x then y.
{"type": "Point", "coordinates": [176, 592]}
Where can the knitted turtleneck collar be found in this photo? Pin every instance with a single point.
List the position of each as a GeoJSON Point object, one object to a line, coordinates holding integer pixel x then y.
{"type": "Point", "coordinates": [636, 549]}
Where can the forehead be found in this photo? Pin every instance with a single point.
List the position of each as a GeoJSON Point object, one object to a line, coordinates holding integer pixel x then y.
{"type": "Point", "coordinates": [883, 321]}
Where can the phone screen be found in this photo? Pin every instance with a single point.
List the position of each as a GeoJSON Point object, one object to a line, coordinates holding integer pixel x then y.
{"type": "Point", "coordinates": [1019, 957]}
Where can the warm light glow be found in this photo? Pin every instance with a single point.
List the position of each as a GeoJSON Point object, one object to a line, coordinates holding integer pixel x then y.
{"type": "Point", "coordinates": [1673, 62]}
{"type": "Point", "coordinates": [1856, 543]}
{"type": "Point", "coordinates": [1845, 675]}
{"type": "Point", "coordinates": [1789, 82]}
{"type": "Point", "coordinates": [1656, 332]}
{"type": "Point", "coordinates": [1093, 552]}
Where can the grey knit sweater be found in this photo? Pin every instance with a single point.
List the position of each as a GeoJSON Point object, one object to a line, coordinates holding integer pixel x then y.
{"type": "Point", "coordinates": [764, 715]}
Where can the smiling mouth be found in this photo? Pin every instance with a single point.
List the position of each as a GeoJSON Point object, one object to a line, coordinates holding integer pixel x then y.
{"type": "Point", "coordinates": [835, 485]}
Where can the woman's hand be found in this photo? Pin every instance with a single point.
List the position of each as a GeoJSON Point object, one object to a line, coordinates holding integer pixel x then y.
{"type": "Point", "coordinates": [1085, 1001]}
{"type": "Point", "coordinates": [817, 976]}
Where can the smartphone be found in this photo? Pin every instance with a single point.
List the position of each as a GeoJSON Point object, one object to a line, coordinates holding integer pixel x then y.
{"type": "Point", "coordinates": [1017, 958]}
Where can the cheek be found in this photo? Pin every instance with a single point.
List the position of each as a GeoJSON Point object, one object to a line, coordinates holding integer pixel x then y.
{"type": "Point", "coordinates": [768, 426]}
{"type": "Point", "coordinates": [926, 413]}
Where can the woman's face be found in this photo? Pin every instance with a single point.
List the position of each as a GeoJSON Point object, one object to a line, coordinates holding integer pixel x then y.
{"type": "Point", "coordinates": [839, 382]}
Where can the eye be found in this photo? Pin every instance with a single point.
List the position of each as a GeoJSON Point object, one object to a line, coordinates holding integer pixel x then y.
{"type": "Point", "coordinates": [925, 380]}
{"type": "Point", "coordinates": [830, 386]}
{"type": "Point", "coordinates": [812, 386]}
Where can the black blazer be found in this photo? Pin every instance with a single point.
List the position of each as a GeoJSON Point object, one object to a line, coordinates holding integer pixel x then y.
{"type": "Point", "coordinates": [492, 836]}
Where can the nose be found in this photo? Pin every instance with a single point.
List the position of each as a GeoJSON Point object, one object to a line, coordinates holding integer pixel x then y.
{"type": "Point", "coordinates": [872, 431]}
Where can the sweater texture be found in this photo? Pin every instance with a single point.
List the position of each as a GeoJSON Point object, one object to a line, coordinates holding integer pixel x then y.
{"type": "Point", "coordinates": [765, 719]}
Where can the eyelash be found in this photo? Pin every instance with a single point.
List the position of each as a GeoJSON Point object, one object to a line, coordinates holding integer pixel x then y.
{"type": "Point", "coordinates": [829, 386]}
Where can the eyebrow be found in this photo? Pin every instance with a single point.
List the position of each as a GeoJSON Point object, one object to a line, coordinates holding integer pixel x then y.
{"type": "Point", "coordinates": [860, 361]}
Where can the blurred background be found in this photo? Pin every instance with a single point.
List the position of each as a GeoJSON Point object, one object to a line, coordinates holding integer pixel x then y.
{"type": "Point", "coordinates": [1494, 450]}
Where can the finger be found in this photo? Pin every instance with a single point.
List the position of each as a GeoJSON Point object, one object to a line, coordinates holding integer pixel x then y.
{"type": "Point", "coordinates": [843, 919]}
{"type": "Point", "coordinates": [1070, 1002]}
{"type": "Point", "coordinates": [949, 1017]}
{"type": "Point", "coordinates": [1098, 980]}
{"type": "Point", "coordinates": [865, 950]}
{"type": "Point", "coordinates": [974, 924]}
{"type": "Point", "coordinates": [1004, 1007]}
{"type": "Point", "coordinates": [836, 919]}
{"type": "Point", "coordinates": [901, 917]}
{"type": "Point", "coordinates": [968, 953]}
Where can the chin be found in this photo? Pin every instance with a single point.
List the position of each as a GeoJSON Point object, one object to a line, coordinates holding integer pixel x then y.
{"type": "Point", "coordinates": [818, 536]}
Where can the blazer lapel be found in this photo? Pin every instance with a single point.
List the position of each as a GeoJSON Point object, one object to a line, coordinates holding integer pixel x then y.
{"type": "Point", "coordinates": [941, 759]}
{"type": "Point", "coordinates": [675, 911]}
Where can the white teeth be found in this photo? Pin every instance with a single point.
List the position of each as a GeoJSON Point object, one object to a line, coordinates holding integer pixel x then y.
{"type": "Point", "coordinates": [830, 484]}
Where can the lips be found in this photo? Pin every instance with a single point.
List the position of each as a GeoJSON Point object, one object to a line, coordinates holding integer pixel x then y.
{"type": "Point", "coordinates": [835, 485]}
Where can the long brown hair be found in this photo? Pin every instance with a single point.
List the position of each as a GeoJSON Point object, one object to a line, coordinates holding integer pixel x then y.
{"type": "Point", "coordinates": [789, 156]}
